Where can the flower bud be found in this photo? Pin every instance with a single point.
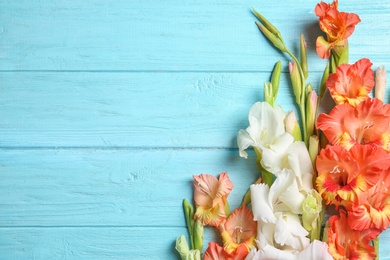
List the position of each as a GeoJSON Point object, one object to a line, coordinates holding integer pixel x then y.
{"type": "Point", "coordinates": [189, 215]}
{"type": "Point", "coordinates": [268, 93]}
{"type": "Point", "coordinates": [324, 78]}
{"type": "Point", "coordinates": [193, 255]}
{"type": "Point", "coordinates": [312, 207]}
{"type": "Point", "coordinates": [198, 235]}
{"type": "Point", "coordinates": [304, 56]}
{"type": "Point", "coordinates": [272, 37]}
{"type": "Point", "coordinates": [311, 112]}
{"type": "Point", "coordinates": [380, 83]}
{"type": "Point", "coordinates": [292, 126]}
{"type": "Point", "coordinates": [296, 81]}
{"type": "Point", "coordinates": [182, 247]}
{"type": "Point", "coordinates": [313, 148]}
{"type": "Point", "coordinates": [270, 27]}
{"type": "Point", "coordinates": [275, 78]}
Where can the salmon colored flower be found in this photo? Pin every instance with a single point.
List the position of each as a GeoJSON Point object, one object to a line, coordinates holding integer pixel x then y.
{"type": "Point", "coordinates": [351, 83]}
{"type": "Point", "coordinates": [373, 209]}
{"type": "Point", "coordinates": [343, 175]}
{"type": "Point", "coordinates": [368, 123]}
{"type": "Point", "coordinates": [346, 243]}
{"type": "Point", "coordinates": [210, 198]}
{"type": "Point", "coordinates": [216, 252]}
{"type": "Point", "coordinates": [239, 230]}
{"type": "Point", "coordinates": [338, 26]}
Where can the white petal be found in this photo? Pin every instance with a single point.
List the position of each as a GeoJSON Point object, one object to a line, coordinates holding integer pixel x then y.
{"type": "Point", "coordinates": [300, 162]}
{"type": "Point", "coordinates": [264, 123]}
{"type": "Point", "coordinates": [244, 141]}
{"type": "Point", "coordinates": [275, 157]}
{"type": "Point", "coordinates": [292, 198]}
{"type": "Point", "coordinates": [289, 231]}
{"type": "Point", "coordinates": [251, 254]}
{"type": "Point", "coordinates": [316, 250]}
{"type": "Point", "coordinates": [265, 234]}
{"type": "Point", "coordinates": [271, 253]}
{"type": "Point", "coordinates": [280, 185]}
{"type": "Point", "coordinates": [261, 204]}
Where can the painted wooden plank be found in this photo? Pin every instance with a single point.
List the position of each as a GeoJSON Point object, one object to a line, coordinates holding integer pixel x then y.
{"type": "Point", "coordinates": [170, 35]}
{"type": "Point", "coordinates": [89, 243]}
{"type": "Point", "coordinates": [84, 187]}
{"type": "Point", "coordinates": [104, 243]}
{"type": "Point", "coordinates": [130, 109]}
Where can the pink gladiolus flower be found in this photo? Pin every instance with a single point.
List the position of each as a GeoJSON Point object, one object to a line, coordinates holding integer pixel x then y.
{"type": "Point", "coordinates": [338, 26]}
{"type": "Point", "coordinates": [346, 243]}
{"type": "Point", "coordinates": [368, 123]}
{"type": "Point", "coordinates": [351, 83]}
{"type": "Point", "coordinates": [210, 198]}
{"type": "Point", "coordinates": [343, 175]}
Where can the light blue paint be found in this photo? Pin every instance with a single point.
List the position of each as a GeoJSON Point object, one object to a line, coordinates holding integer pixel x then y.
{"type": "Point", "coordinates": [107, 109]}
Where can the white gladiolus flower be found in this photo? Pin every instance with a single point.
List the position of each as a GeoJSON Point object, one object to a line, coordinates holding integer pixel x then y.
{"type": "Point", "coordinates": [266, 133]}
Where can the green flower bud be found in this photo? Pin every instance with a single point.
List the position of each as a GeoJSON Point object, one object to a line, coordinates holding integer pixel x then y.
{"type": "Point", "coordinates": [193, 255]}
{"type": "Point", "coordinates": [270, 36]}
{"type": "Point", "coordinates": [198, 235]}
{"type": "Point", "coordinates": [270, 27]}
{"type": "Point", "coordinates": [313, 148]}
{"type": "Point", "coordinates": [296, 81]}
{"type": "Point", "coordinates": [325, 76]}
{"type": "Point", "coordinates": [312, 207]}
{"type": "Point", "coordinates": [182, 247]}
{"type": "Point", "coordinates": [189, 215]}
{"type": "Point", "coordinates": [268, 93]}
{"type": "Point", "coordinates": [275, 78]}
{"type": "Point", "coordinates": [304, 56]}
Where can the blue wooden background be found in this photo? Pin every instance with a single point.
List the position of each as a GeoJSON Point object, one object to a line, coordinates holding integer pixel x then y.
{"type": "Point", "coordinates": [107, 109]}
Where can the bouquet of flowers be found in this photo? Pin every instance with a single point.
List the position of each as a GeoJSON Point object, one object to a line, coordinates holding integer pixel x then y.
{"type": "Point", "coordinates": [324, 186]}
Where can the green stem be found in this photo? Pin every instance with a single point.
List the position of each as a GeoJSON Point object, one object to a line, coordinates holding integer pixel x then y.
{"type": "Point", "coordinates": [376, 245]}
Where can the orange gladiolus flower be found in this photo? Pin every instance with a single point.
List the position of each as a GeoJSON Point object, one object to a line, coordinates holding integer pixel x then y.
{"type": "Point", "coordinates": [338, 26]}
{"type": "Point", "coordinates": [345, 243]}
{"type": "Point", "coordinates": [373, 209]}
{"type": "Point", "coordinates": [368, 123]}
{"type": "Point", "coordinates": [343, 175]}
{"type": "Point", "coordinates": [239, 230]}
{"type": "Point", "coordinates": [210, 198]}
{"type": "Point", "coordinates": [351, 83]}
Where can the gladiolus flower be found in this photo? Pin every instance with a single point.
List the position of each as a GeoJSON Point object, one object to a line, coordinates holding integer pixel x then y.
{"type": "Point", "coordinates": [351, 83]}
{"type": "Point", "coordinates": [346, 243]}
{"type": "Point", "coordinates": [266, 133]}
{"type": "Point", "coordinates": [373, 209]}
{"type": "Point", "coordinates": [216, 252]}
{"type": "Point", "coordinates": [338, 26]}
{"type": "Point", "coordinates": [316, 250]}
{"type": "Point", "coordinates": [210, 198]}
{"type": "Point", "coordinates": [239, 230]}
{"type": "Point", "coordinates": [368, 123]}
{"type": "Point", "coordinates": [343, 175]}
{"type": "Point", "coordinates": [273, 207]}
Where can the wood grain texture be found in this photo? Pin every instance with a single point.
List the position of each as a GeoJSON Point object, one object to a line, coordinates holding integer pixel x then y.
{"type": "Point", "coordinates": [107, 109]}
{"type": "Point", "coordinates": [170, 35]}
{"type": "Point", "coordinates": [130, 109]}
{"type": "Point", "coordinates": [80, 187]}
